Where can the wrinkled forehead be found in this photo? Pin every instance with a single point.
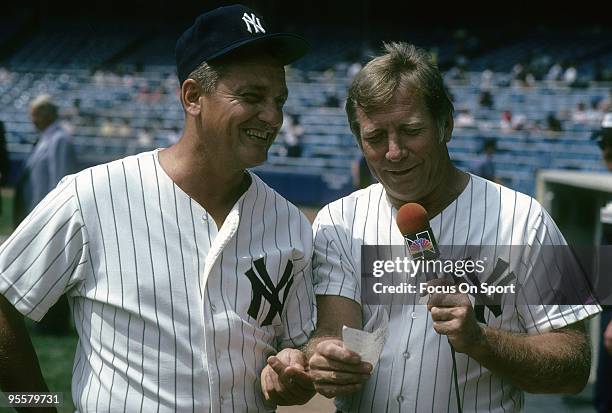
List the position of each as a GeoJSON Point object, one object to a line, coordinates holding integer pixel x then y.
{"type": "Point", "coordinates": [261, 72]}
{"type": "Point", "coordinates": [402, 98]}
{"type": "Point", "coordinates": [407, 106]}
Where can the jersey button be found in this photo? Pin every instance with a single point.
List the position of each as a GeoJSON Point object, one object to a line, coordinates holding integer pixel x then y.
{"type": "Point", "coordinates": [413, 315]}
{"type": "Point", "coordinates": [400, 399]}
{"type": "Point", "coordinates": [204, 217]}
{"type": "Point", "coordinates": [406, 354]}
{"type": "Point", "coordinates": [213, 307]}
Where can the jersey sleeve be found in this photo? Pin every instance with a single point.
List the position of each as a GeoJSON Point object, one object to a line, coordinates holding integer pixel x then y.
{"type": "Point", "coordinates": [334, 269]}
{"type": "Point", "coordinates": [299, 311]}
{"type": "Point", "coordinates": [556, 290]}
{"type": "Point", "coordinates": [45, 255]}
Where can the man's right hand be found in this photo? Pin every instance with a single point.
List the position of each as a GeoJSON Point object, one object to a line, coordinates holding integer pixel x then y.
{"type": "Point", "coordinates": [336, 370]}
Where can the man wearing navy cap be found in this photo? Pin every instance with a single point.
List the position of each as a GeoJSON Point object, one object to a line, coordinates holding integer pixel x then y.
{"type": "Point", "coordinates": [185, 271]}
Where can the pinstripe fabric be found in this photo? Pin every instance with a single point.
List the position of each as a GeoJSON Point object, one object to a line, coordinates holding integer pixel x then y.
{"type": "Point", "coordinates": [415, 369]}
{"type": "Point", "coordinates": [158, 292]}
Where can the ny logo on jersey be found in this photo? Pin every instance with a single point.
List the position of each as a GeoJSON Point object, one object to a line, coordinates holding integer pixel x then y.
{"type": "Point", "coordinates": [263, 287]}
{"type": "Point", "coordinates": [252, 21]}
{"type": "Point", "coordinates": [495, 278]}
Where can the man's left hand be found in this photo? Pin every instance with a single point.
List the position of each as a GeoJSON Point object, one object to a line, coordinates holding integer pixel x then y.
{"type": "Point", "coordinates": [453, 316]}
{"type": "Point", "coordinates": [284, 381]}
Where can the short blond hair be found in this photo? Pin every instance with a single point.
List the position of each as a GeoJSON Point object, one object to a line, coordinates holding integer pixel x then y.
{"type": "Point", "coordinates": [402, 66]}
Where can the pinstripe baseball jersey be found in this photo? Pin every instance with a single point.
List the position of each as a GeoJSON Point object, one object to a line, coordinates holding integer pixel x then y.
{"type": "Point", "coordinates": [414, 373]}
{"type": "Point", "coordinates": [173, 314]}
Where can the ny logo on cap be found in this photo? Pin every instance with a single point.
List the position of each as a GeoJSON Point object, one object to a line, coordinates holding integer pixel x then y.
{"type": "Point", "coordinates": [252, 21]}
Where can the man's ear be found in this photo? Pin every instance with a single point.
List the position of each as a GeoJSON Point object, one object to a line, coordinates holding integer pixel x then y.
{"type": "Point", "coordinates": [448, 128]}
{"type": "Point", "coordinates": [191, 91]}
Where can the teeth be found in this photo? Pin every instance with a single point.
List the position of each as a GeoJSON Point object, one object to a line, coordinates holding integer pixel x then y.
{"type": "Point", "coordinates": [257, 134]}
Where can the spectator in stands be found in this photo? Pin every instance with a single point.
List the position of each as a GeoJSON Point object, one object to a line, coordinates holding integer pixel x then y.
{"type": "Point", "coordinates": [605, 105]}
{"type": "Point", "coordinates": [603, 385]}
{"type": "Point", "coordinates": [579, 114]}
{"type": "Point", "coordinates": [554, 73]}
{"type": "Point", "coordinates": [483, 165]}
{"type": "Point", "coordinates": [331, 99]}
{"type": "Point", "coordinates": [520, 122]}
{"type": "Point", "coordinates": [465, 119]}
{"type": "Point", "coordinates": [352, 70]}
{"type": "Point", "coordinates": [51, 159]}
{"type": "Point", "coordinates": [144, 94]}
{"type": "Point", "coordinates": [5, 75]}
{"type": "Point", "coordinates": [518, 74]}
{"type": "Point", "coordinates": [108, 128]}
{"type": "Point", "coordinates": [570, 75]}
{"type": "Point", "coordinates": [485, 100]}
{"type": "Point", "coordinates": [594, 114]}
{"type": "Point", "coordinates": [553, 124]}
{"type": "Point", "coordinates": [4, 161]}
{"type": "Point", "coordinates": [72, 115]}
{"type": "Point", "coordinates": [292, 133]}
{"type": "Point", "coordinates": [124, 130]}
{"type": "Point", "coordinates": [457, 72]}
{"type": "Point", "coordinates": [486, 79]}
{"type": "Point", "coordinates": [604, 139]}
{"type": "Point", "coordinates": [505, 124]}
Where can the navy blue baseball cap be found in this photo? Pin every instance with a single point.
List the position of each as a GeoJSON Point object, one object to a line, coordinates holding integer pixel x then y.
{"type": "Point", "coordinates": [225, 29]}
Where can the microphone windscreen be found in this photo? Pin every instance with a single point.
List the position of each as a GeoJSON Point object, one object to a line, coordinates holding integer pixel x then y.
{"type": "Point", "coordinates": [412, 218]}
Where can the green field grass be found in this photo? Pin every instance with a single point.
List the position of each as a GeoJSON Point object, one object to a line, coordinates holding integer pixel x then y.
{"type": "Point", "coordinates": [55, 355]}
{"type": "Point", "coordinates": [6, 218]}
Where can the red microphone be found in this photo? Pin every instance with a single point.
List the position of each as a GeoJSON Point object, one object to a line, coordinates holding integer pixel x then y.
{"type": "Point", "coordinates": [413, 223]}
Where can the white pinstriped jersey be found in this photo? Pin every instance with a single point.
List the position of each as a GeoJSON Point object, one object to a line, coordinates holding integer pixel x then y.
{"type": "Point", "coordinates": [167, 318]}
{"type": "Point", "coordinates": [414, 373]}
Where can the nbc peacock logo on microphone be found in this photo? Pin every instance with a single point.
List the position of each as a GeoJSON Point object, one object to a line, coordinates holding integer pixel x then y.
{"type": "Point", "coordinates": [422, 246]}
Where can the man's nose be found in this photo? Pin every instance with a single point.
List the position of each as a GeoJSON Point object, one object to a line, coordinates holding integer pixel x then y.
{"type": "Point", "coordinates": [271, 114]}
{"type": "Point", "coordinates": [394, 150]}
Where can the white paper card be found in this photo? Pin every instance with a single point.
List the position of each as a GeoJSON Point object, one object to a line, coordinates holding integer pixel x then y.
{"type": "Point", "coordinates": [367, 345]}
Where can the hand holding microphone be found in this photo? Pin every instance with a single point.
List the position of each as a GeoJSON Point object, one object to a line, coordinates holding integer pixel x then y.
{"type": "Point", "coordinates": [453, 316]}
